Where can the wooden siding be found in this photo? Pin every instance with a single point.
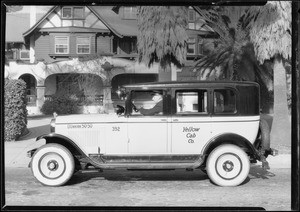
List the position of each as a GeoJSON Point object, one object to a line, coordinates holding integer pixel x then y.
{"type": "Point", "coordinates": [42, 47]}
{"type": "Point", "coordinates": [104, 44]}
{"type": "Point", "coordinates": [48, 46]}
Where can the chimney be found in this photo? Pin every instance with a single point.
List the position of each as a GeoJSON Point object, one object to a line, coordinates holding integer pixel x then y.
{"type": "Point", "coordinates": [32, 15]}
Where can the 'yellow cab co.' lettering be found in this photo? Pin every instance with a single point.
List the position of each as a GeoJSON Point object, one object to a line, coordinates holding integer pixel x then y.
{"type": "Point", "coordinates": [190, 133]}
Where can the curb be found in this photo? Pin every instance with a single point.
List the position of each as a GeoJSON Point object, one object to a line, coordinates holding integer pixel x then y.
{"type": "Point", "coordinates": [280, 161]}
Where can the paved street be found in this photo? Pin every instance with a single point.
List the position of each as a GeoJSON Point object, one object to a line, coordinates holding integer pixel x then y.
{"type": "Point", "coordinates": [270, 190]}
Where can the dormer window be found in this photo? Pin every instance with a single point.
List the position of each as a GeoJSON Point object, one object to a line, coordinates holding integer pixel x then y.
{"type": "Point", "coordinates": [72, 12]}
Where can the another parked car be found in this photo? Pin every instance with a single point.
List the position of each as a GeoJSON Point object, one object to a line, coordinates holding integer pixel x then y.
{"type": "Point", "coordinates": [213, 126]}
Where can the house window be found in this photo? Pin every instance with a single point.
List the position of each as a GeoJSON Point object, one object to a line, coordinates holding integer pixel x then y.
{"type": "Point", "coordinates": [127, 45]}
{"type": "Point", "coordinates": [67, 12]}
{"type": "Point", "coordinates": [83, 45]}
{"type": "Point", "coordinates": [191, 46]}
{"type": "Point", "coordinates": [73, 12]}
{"type": "Point", "coordinates": [192, 16]}
{"type": "Point", "coordinates": [200, 47]}
{"type": "Point", "coordinates": [129, 12]}
{"type": "Point", "coordinates": [62, 45]}
{"type": "Point", "coordinates": [24, 55]}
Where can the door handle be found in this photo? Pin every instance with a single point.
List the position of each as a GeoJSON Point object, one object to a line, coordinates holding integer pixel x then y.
{"type": "Point", "coordinates": [175, 119]}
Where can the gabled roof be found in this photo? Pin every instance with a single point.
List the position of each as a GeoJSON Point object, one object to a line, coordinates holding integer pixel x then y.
{"type": "Point", "coordinates": [39, 22]}
{"type": "Point", "coordinates": [124, 27]}
{"type": "Point", "coordinates": [105, 14]}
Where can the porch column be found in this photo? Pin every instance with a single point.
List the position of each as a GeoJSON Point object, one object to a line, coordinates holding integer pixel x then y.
{"type": "Point", "coordinates": [107, 102]}
{"type": "Point", "coordinates": [40, 97]}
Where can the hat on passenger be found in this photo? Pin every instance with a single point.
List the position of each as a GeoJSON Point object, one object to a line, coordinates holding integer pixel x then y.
{"type": "Point", "coordinates": [156, 93]}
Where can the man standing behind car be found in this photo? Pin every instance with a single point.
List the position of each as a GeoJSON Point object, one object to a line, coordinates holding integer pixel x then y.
{"type": "Point", "coordinates": [158, 108]}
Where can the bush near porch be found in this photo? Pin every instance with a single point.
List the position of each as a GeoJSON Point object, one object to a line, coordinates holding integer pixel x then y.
{"type": "Point", "coordinates": [15, 109]}
{"type": "Point", "coordinates": [61, 103]}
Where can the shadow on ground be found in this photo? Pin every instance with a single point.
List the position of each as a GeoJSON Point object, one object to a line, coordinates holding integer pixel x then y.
{"type": "Point", "coordinates": [257, 171]}
{"type": "Point", "coordinates": [117, 175]}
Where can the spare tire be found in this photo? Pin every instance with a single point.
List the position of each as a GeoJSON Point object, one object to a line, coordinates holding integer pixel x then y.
{"type": "Point", "coordinates": [264, 134]}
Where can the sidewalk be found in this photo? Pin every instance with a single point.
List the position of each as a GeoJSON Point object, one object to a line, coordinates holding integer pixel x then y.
{"type": "Point", "coordinates": [16, 152]}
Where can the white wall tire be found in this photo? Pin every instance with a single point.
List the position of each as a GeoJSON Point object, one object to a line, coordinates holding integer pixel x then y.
{"type": "Point", "coordinates": [52, 165]}
{"type": "Point", "coordinates": [228, 165]}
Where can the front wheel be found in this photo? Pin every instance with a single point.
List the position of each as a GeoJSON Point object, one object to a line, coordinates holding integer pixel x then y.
{"type": "Point", "coordinates": [228, 165]}
{"type": "Point", "coordinates": [52, 165]}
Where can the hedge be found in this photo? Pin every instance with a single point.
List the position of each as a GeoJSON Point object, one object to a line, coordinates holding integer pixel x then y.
{"type": "Point", "coordinates": [62, 103]}
{"type": "Point", "coordinates": [15, 109]}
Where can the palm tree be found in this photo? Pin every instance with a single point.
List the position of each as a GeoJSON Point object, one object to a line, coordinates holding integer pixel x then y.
{"type": "Point", "coordinates": [270, 33]}
{"type": "Point", "coordinates": [162, 37]}
{"type": "Point", "coordinates": [233, 52]}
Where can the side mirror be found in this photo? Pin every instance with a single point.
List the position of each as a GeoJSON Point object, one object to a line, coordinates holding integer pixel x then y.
{"type": "Point", "coordinates": [121, 93]}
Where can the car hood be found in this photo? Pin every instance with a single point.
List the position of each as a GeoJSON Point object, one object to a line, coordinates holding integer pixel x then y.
{"type": "Point", "coordinates": [89, 118]}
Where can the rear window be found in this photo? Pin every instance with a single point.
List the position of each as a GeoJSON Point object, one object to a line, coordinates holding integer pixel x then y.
{"type": "Point", "coordinates": [224, 101]}
{"type": "Point", "coordinates": [249, 100]}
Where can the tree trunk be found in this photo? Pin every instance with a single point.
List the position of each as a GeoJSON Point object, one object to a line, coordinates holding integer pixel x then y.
{"type": "Point", "coordinates": [164, 72]}
{"type": "Point", "coordinates": [281, 127]}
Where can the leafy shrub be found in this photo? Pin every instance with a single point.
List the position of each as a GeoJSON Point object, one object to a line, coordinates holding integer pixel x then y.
{"type": "Point", "coordinates": [15, 109]}
{"type": "Point", "coordinates": [61, 103]}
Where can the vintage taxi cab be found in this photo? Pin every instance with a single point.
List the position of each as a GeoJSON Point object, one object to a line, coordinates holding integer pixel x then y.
{"type": "Point", "coordinates": [212, 126]}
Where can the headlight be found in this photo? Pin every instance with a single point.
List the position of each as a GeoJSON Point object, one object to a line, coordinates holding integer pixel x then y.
{"type": "Point", "coordinates": [52, 125]}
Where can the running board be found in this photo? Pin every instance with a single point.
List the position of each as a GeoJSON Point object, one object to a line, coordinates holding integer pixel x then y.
{"type": "Point", "coordinates": [103, 162]}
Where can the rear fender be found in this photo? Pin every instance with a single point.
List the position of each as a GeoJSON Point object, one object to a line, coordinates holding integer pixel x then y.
{"type": "Point", "coordinates": [230, 138]}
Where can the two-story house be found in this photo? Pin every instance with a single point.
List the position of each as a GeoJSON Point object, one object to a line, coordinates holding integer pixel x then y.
{"type": "Point", "coordinates": [66, 33]}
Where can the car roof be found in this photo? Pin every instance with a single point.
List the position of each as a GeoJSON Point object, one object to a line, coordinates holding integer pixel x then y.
{"type": "Point", "coordinates": [188, 84]}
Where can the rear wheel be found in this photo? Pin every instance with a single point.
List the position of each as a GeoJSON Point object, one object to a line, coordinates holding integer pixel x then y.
{"type": "Point", "coordinates": [228, 165]}
{"type": "Point", "coordinates": [52, 165]}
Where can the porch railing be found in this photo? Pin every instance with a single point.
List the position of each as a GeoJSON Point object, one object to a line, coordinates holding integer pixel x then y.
{"type": "Point", "coordinates": [87, 99]}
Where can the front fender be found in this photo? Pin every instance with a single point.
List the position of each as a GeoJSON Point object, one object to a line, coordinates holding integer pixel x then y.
{"type": "Point", "coordinates": [63, 140]}
{"type": "Point", "coordinates": [230, 138]}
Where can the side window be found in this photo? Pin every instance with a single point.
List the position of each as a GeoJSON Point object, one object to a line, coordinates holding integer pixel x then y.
{"type": "Point", "coordinates": [148, 102]}
{"type": "Point", "coordinates": [224, 101]}
{"type": "Point", "coordinates": [191, 102]}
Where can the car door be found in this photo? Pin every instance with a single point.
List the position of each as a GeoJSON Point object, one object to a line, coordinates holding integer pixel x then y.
{"type": "Point", "coordinates": [147, 134]}
{"type": "Point", "coordinates": [191, 121]}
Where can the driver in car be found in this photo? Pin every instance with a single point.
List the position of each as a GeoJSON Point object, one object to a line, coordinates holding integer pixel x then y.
{"type": "Point", "coordinates": [158, 108]}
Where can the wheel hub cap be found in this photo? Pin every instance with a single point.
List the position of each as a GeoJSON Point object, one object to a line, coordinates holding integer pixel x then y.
{"type": "Point", "coordinates": [52, 165]}
{"type": "Point", "coordinates": [228, 166]}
